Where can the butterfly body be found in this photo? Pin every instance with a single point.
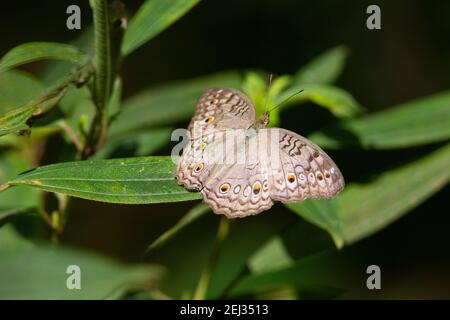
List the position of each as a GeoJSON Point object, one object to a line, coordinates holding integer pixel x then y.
{"type": "Point", "coordinates": [241, 167]}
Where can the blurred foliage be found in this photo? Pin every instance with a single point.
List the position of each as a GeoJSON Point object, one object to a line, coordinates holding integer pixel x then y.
{"type": "Point", "coordinates": [265, 256]}
{"type": "Point", "coordinates": [102, 278]}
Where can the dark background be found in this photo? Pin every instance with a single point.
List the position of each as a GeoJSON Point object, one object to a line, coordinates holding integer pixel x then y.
{"type": "Point", "coordinates": [407, 59]}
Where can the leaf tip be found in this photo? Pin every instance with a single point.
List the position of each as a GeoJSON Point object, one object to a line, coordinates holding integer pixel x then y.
{"type": "Point", "coordinates": [155, 244]}
{"type": "Point", "coordinates": [338, 242]}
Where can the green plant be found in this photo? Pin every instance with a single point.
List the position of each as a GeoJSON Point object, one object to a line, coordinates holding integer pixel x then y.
{"type": "Point", "coordinates": [79, 100]}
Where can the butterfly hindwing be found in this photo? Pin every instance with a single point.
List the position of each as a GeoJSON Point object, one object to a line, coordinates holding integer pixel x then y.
{"type": "Point", "coordinates": [240, 188]}
{"type": "Point", "coordinates": [307, 171]}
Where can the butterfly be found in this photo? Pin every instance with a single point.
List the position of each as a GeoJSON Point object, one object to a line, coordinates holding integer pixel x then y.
{"type": "Point", "coordinates": [241, 167]}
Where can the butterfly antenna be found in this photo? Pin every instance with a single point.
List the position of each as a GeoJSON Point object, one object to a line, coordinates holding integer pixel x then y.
{"type": "Point", "coordinates": [287, 99]}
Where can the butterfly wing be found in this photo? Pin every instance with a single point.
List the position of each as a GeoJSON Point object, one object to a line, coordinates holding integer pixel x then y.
{"type": "Point", "coordinates": [275, 165]}
{"type": "Point", "coordinates": [241, 187]}
{"type": "Point", "coordinates": [217, 111]}
{"type": "Point", "coordinates": [305, 170]}
{"type": "Point", "coordinates": [221, 109]}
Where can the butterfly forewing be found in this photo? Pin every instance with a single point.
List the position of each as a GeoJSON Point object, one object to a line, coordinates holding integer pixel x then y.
{"type": "Point", "coordinates": [221, 109]}
{"type": "Point", "coordinates": [218, 110]}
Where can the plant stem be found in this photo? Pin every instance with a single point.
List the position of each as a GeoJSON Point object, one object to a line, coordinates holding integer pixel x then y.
{"type": "Point", "coordinates": [103, 59]}
{"type": "Point", "coordinates": [108, 37]}
{"type": "Point", "coordinates": [103, 75]}
{"type": "Point", "coordinates": [71, 134]}
{"type": "Point", "coordinates": [45, 217]}
{"type": "Point", "coordinates": [205, 277]}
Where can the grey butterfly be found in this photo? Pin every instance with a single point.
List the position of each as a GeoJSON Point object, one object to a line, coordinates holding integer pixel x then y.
{"type": "Point", "coordinates": [285, 167]}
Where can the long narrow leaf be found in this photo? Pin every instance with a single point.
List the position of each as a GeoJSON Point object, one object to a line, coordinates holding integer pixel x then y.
{"type": "Point", "coordinates": [40, 271]}
{"type": "Point", "coordinates": [324, 69]}
{"type": "Point", "coordinates": [139, 143]}
{"type": "Point", "coordinates": [336, 100]}
{"type": "Point", "coordinates": [168, 104]}
{"type": "Point", "coordinates": [367, 208]}
{"type": "Point", "coordinates": [193, 214]}
{"type": "Point", "coordinates": [132, 180]}
{"type": "Point", "coordinates": [34, 51]}
{"type": "Point", "coordinates": [153, 17]}
{"type": "Point", "coordinates": [421, 121]}
{"type": "Point", "coordinates": [323, 214]}
{"type": "Point", "coordinates": [16, 120]}
{"type": "Point", "coordinates": [11, 164]}
{"type": "Point", "coordinates": [16, 89]}
{"type": "Point", "coordinates": [319, 276]}
{"type": "Point", "coordinates": [363, 209]}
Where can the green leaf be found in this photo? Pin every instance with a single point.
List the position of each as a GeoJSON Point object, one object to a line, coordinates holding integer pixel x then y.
{"type": "Point", "coordinates": [278, 85]}
{"type": "Point", "coordinates": [245, 237]}
{"type": "Point", "coordinates": [11, 164]}
{"type": "Point", "coordinates": [319, 276]}
{"type": "Point", "coordinates": [255, 87]}
{"type": "Point", "coordinates": [7, 213]}
{"type": "Point", "coordinates": [336, 100]}
{"type": "Point", "coordinates": [132, 180]}
{"type": "Point", "coordinates": [421, 121]}
{"type": "Point", "coordinates": [196, 212]}
{"type": "Point", "coordinates": [11, 240]}
{"type": "Point", "coordinates": [115, 99]}
{"type": "Point", "coordinates": [271, 256]}
{"type": "Point", "coordinates": [193, 245]}
{"type": "Point", "coordinates": [324, 69]}
{"type": "Point", "coordinates": [153, 17]}
{"type": "Point", "coordinates": [362, 209]}
{"type": "Point", "coordinates": [315, 79]}
{"type": "Point", "coordinates": [16, 89]}
{"type": "Point", "coordinates": [367, 208]}
{"type": "Point", "coordinates": [52, 71]}
{"type": "Point", "coordinates": [140, 143]}
{"type": "Point", "coordinates": [323, 214]}
{"type": "Point", "coordinates": [34, 51]}
{"type": "Point", "coordinates": [264, 96]}
{"type": "Point", "coordinates": [16, 120]}
{"type": "Point", "coordinates": [78, 108]}
{"type": "Point", "coordinates": [185, 256]}
{"type": "Point", "coordinates": [38, 134]}
{"type": "Point", "coordinates": [168, 104]}
{"type": "Point", "coordinates": [40, 271]}
{"type": "Point", "coordinates": [299, 240]}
